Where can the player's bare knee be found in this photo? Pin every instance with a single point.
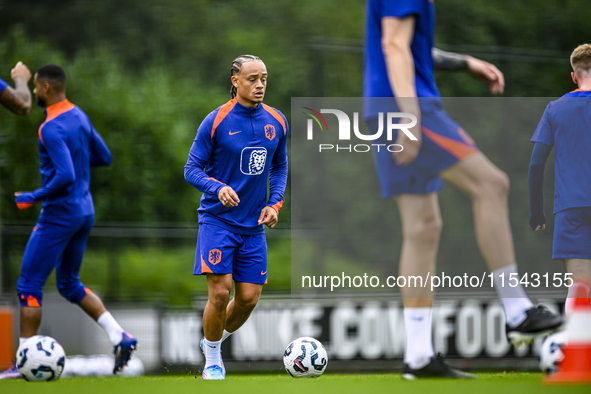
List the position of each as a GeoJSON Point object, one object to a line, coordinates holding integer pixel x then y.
{"type": "Point", "coordinates": [247, 302]}
{"type": "Point", "coordinates": [495, 186]}
{"type": "Point", "coordinates": [219, 297]}
{"type": "Point", "coordinates": [502, 183]}
{"type": "Point", "coordinates": [425, 230]}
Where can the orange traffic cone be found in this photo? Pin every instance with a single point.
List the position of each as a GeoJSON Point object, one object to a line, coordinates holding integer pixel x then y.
{"type": "Point", "coordinates": [575, 367]}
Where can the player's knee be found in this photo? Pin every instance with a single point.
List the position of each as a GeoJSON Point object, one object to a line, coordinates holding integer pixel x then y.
{"type": "Point", "coordinates": [425, 230]}
{"type": "Point", "coordinates": [219, 297]}
{"type": "Point", "coordinates": [248, 301]}
{"type": "Point", "coordinates": [496, 185]}
{"type": "Point", "coordinates": [501, 183]}
{"type": "Point", "coordinates": [72, 291]}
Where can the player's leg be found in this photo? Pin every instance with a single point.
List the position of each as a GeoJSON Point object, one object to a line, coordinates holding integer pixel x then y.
{"type": "Point", "coordinates": [581, 270]}
{"type": "Point", "coordinates": [214, 316]}
{"type": "Point", "coordinates": [250, 274]}
{"type": "Point", "coordinates": [421, 228]}
{"type": "Point", "coordinates": [219, 287]}
{"type": "Point", "coordinates": [68, 283]}
{"type": "Point", "coordinates": [44, 249]}
{"type": "Point", "coordinates": [246, 297]}
{"type": "Point", "coordinates": [489, 187]}
{"type": "Point", "coordinates": [214, 258]}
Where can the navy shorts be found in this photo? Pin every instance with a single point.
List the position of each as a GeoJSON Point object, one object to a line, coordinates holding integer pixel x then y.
{"type": "Point", "coordinates": [56, 244]}
{"type": "Point", "coordinates": [220, 251]}
{"type": "Point", "coordinates": [444, 144]}
{"type": "Point", "coordinates": [572, 234]}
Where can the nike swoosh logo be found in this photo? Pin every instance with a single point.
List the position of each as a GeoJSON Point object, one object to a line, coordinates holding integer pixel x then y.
{"type": "Point", "coordinates": [417, 318]}
{"type": "Point", "coordinates": [236, 132]}
{"type": "Point", "coordinates": [213, 347]}
{"type": "Point", "coordinates": [263, 272]}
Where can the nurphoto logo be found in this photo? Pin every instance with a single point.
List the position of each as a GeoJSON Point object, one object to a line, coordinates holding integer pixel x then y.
{"type": "Point", "coordinates": [344, 133]}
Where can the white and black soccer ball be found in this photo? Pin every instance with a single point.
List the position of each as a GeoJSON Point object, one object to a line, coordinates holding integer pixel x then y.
{"type": "Point", "coordinates": [305, 358]}
{"type": "Point", "coordinates": [40, 359]}
{"type": "Point", "coordinates": [551, 352]}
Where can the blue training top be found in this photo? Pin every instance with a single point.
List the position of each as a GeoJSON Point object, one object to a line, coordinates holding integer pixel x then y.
{"type": "Point", "coordinates": [566, 125]}
{"type": "Point", "coordinates": [243, 148]}
{"type": "Point", "coordinates": [376, 83]}
{"type": "Point", "coordinates": [3, 85]}
{"type": "Point", "coordinates": [68, 146]}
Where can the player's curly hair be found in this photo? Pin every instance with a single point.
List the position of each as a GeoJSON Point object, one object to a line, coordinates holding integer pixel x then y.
{"type": "Point", "coordinates": [580, 59]}
{"type": "Point", "coordinates": [237, 66]}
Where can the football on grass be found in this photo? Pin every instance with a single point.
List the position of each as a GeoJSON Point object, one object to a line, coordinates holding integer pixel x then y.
{"type": "Point", "coordinates": [40, 359]}
{"type": "Point", "coordinates": [305, 358]}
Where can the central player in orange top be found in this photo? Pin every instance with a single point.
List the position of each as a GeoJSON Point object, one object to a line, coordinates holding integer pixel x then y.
{"type": "Point", "coordinates": [239, 147]}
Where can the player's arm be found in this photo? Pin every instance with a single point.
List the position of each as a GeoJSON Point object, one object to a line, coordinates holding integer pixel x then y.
{"type": "Point", "coordinates": [199, 156]}
{"type": "Point", "coordinates": [489, 73]}
{"type": "Point", "coordinates": [397, 35]}
{"type": "Point", "coordinates": [100, 155]}
{"type": "Point", "coordinates": [277, 182]}
{"type": "Point", "coordinates": [18, 100]}
{"type": "Point", "coordinates": [64, 176]}
{"type": "Point", "coordinates": [537, 218]}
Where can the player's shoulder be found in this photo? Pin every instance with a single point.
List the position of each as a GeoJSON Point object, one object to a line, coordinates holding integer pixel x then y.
{"type": "Point", "coordinates": [71, 118]}
{"type": "Point", "coordinates": [52, 131]}
{"type": "Point", "coordinates": [272, 110]}
{"type": "Point", "coordinates": [215, 117]}
{"type": "Point", "coordinates": [566, 101]}
{"type": "Point", "coordinates": [277, 115]}
{"type": "Point", "coordinates": [578, 93]}
{"type": "Point", "coordinates": [220, 112]}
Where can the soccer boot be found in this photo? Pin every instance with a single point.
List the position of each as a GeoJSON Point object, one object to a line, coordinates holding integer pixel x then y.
{"type": "Point", "coordinates": [213, 372]}
{"type": "Point", "coordinates": [437, 368]}
{"type": "Point", "coordinates": [123, 351]}
{"type": "Point", "coordinates": [207, 372]}
{"type": "Point", "coordinates": [11, 373]}
{"type": "Point", "coordinates": [539, 321]}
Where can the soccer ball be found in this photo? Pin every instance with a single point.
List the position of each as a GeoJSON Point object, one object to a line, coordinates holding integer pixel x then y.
{"type": "Point", "coordinates": [40, 359]}
{"type": "Point", "coordinates": [551, 352]}
{"type": "Point", "coordinates": [305, 358]}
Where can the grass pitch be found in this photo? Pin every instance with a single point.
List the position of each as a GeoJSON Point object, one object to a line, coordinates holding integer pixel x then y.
{"type": "Point", "coordinates": [494, 383]}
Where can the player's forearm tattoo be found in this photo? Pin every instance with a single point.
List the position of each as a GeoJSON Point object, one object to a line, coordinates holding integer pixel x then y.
{"type": "Point", "coordinates": [449, 61]}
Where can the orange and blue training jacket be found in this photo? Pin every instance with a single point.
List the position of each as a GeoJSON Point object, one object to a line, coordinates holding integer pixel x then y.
{"type": "Point", "coordinates": [241, 147]}
{"type": "Point", "coordinates": [68, 146]}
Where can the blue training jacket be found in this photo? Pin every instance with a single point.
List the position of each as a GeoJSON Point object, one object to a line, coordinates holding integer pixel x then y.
{"type": "Point", "coordinates": [241, 147]}
{"type": "Point", "coordinates": [68, 146]}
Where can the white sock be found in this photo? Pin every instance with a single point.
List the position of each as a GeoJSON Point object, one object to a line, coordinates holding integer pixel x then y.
{"type": "Point", "coordinates": [226, 334]}
{"type": "Point", "coordinates": [572, 295]}
{"type": "Point", "coordinates": [515, 301]}
{"type": "Point", "coordinates": [212, 352]}
{"type": "Point", "coordinates": [21, 340]}
{"type": "Point", "coordinates": [419, 342]}
{"type": "Point", "coordinates": [110, 325]}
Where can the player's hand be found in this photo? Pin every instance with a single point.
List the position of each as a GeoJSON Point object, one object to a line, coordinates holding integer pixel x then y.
{"type": "Point", "coordinates": [24, 200]}
{"type": "Point", "coordinates": [268, 216]}
{"type": "Point", "coordinates": [410, 148]}
{"type": "Point", "coordinates": [537, 222]}
{"type": "Point", "coordinates": [228, 197]}
{"type": "Point", "coordinates": [20, 71]}
{"type": "Point", "coordinates": [488, 73]}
